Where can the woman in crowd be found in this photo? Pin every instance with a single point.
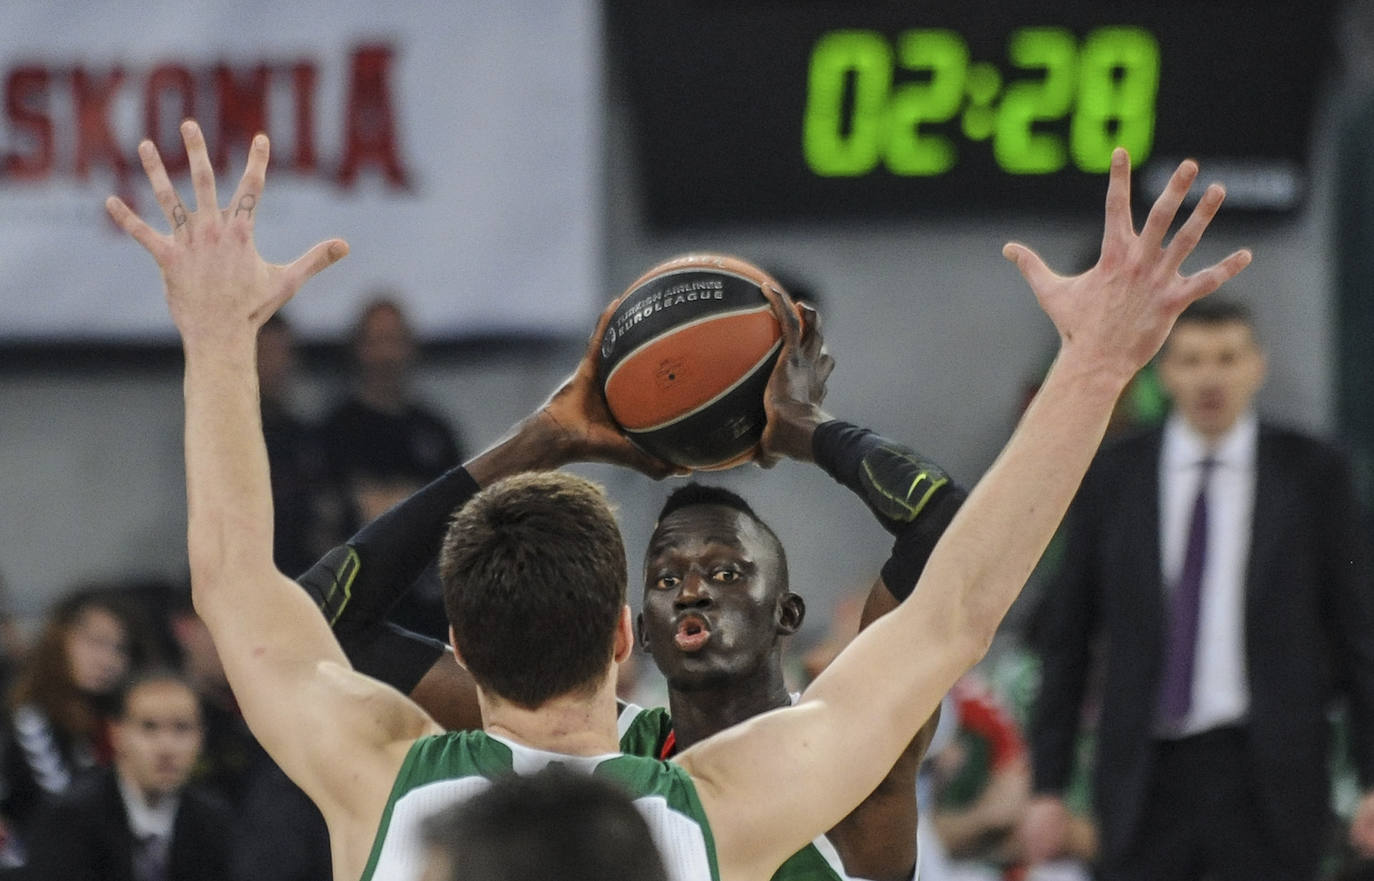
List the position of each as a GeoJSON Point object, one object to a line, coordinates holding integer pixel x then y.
{"type": "Point", "coordinates": [62, 698]}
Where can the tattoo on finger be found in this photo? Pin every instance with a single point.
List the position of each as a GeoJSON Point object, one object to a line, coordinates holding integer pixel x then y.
{"type": "Point", "coordinates": [246, 205]}
{"type": "Point", "coordinates": [178, 216]}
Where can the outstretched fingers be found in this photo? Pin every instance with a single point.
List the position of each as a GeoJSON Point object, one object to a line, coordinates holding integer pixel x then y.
{"type": "Point", "coordinates": [1118, 228]}
{"type": "Point", "coordinates": [291, 277]}
{"type": "Point", "coordinates": [135, 226]}
{"type": "Point", "coordinates": [243, 207]}
{"type": "Point", "coordinates": [318, 258]}
{"type": "Point", "coordinates": [163, 191]}
{"type": "Point", "coordinates": [1032, 268]}
{"type": "Point", "coordinates": [202, 173]}
{"type": "Point", "coordinates": [1188, 235]}
{"type": "Point", "coordinates": [1204, 281]}
{"type": "Point", "coordinates": [1164, 210]}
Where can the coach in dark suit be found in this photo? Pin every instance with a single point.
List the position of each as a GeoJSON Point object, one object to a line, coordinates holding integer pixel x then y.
{"type": "Point", "coordinates": [1217, 571]}
{"type": "Point", "coordinates": [138, 821]}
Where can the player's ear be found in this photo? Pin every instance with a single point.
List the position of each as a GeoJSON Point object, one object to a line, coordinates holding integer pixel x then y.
{"type": "Point", "coordinates": [624, 635]}
{"type": "Point", "coordinates": [791, 613]}
{"type": "Point", "coordinates": [642, 636]}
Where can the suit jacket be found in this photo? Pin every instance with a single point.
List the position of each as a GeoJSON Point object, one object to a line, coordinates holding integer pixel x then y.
{"type": "Point", "coordinates": [84, 836]}
{"type": "Point", "coordinates": [1309, 633]}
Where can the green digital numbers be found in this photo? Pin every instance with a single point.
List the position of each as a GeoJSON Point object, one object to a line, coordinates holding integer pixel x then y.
{"type": "Point", "coordinates": [1017, 146]}
{"type": "Point", "coordinates": [943, 54]}
{"type": "Point", "coordinates": [1117, 84]}
{"type": "Point", "coordinates": [853, 69]}
{"type": "Point", "coordinates": [870, 102]}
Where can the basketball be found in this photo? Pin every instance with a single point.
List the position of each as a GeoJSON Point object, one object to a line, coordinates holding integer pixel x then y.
{"type": "Point", "coordinates": [685, 359]}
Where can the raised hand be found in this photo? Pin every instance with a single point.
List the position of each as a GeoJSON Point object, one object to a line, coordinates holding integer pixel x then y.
{"type": "Point", "coordinates": [1117, 314]}
{"type": "Point", "coordinates": [216, 282]}
{"type": "Point", "coordinates": [796, 390]}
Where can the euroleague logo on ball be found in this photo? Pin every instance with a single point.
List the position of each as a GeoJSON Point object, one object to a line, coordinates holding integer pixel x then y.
{"type": "Point", "coordinates": [686, 354]}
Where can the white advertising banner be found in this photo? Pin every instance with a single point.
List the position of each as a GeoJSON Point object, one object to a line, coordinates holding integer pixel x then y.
{"type": "Point", "coordinates": [455, 145]}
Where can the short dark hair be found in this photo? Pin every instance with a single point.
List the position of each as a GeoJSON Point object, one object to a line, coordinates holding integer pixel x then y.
{"type": "Point", "coordinates": [553, 824]}
{"type": "Point", "coordinates": [534, 576]}
{"type": "Point", "coordinates": [1217, 310]}
{"type": "Point", "coordinates": [694, 493]}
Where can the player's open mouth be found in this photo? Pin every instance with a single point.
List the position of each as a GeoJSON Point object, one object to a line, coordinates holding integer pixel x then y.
{"type": "Point", "coordinates": [692, 634]}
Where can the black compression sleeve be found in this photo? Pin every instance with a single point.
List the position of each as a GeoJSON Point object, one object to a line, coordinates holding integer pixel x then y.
{"type": "Point", "coordinates": [395, 548]}
{"type": "Point", "coordinates": [396, 656]}
{"type": "Point", "coordinates": [356, 584]}
{"type": "Point", "coordinates": [912, 497]}
{"type": "Point", "coordinates": [912, 548]}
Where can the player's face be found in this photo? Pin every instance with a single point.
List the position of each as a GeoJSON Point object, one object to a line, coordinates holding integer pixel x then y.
{"type": "Point", "coordinates": [711, 596]}
{"type": "Point", "coordinates": [1212, 372]}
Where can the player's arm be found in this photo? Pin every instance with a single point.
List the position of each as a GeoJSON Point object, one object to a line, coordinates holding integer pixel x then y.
{"type": "Point", "coordinates": [914, 499]}
{"type": "Point", "coordinates": [356, 584]}
{"type": "Point", "coordinates": [853, 722]}
{"type": "Point", "coordinates": [311, 712]}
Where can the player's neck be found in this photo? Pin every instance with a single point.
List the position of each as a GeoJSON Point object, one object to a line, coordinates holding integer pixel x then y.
{"type": "Point", "coordinates": [700, 712]}
{"type": "Point", "coordinates": [575, 725]}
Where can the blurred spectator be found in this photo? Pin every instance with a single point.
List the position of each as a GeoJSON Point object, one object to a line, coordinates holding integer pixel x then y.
{"type": "Point", "coordinates": [1219, 569]}
{"type": "Point", "coordinates": [553, 824]}
{"type": "Point", "coordinates": [303, 509]}
{"type": "Point", "coordinates": [382, 444]}
{"type": "Point", "coordinates": [139, 821]}
{"type": "Point", "coordinates": [62, 698]}
{"type": "Point", "coordinates": [14, 644]}
{"type": "Point", "coordinates": [979, 789]}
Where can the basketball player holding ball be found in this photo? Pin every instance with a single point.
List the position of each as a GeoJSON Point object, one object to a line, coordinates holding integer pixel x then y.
{"type": "Point", "coordinates": [727, 665]}
{"type": "Point", "coordinates": [738, 803]}
{"type": "Point", "coordinates": [710, 551]}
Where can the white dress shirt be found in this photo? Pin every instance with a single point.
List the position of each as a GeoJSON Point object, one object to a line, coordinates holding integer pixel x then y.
{"type": "Point", "coordinates": [1220, 694]}
{"type": "Point", "coordinates": [149, 821]}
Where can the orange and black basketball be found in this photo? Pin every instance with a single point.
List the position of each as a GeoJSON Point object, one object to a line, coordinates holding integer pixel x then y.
{"type": "Point", "coordinates": [686, 356]}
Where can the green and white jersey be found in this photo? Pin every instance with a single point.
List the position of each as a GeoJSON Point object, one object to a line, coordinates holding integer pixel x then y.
{"type": "Point", "coordinates": [449, 768]}
{"type": "Point", "coordinates": [649, 733]}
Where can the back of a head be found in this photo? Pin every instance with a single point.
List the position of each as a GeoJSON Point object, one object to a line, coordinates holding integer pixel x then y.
{"type": "Point", "coordinates": [534, 579]}
{"type": "Point", "coordinates": [554, 824]}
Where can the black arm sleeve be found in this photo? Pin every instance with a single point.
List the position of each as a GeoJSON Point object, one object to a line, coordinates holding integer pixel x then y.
{"type": "Point", "coordinates": [914, 544]}
{"type": "Point", "coordinates": [912, 497]}
{"type": "Point", "coordinates": [356, 584]}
